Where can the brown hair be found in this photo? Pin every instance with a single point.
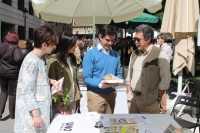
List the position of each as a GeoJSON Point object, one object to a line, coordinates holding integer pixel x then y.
{"type": "Point", "coordinates": [44, 34]}
{"type": "Point", "coordinates": [108, 30]}
{"type": "Point", "coordinates": [11, 37]}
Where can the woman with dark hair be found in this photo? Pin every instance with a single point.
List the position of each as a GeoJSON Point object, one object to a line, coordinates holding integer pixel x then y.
{"type": "Point", "coordinates": [10, 62]}
{"type": "Point", "coordinates": [63, 64]}
{"type": "Point", "coordinates": [33, 97]}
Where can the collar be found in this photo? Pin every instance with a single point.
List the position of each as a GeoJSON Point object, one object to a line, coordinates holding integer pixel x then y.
{"type": "Point", "coordinates": [99, 47]}
{"type": "Point", "coordinates": [147, 51]}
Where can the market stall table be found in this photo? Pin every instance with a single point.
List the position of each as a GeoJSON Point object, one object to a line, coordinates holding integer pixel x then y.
{"type": "Point", "coordinates": [84, 123]}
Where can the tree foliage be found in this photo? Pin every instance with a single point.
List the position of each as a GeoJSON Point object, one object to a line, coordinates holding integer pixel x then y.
{"type": "Point", "coordinates": [160, 12]}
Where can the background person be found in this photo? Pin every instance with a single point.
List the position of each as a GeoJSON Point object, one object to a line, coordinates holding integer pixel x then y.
{"type": "Point", "coordinates": [33, 97]}
{"type": "Point", "coordinates": [28, 48]}
{"type": "Point", "coordinates": [90, 46]}
{"type": "Point", "coordinates": [79, 52]}
{"type": "Point", "coordinates": [117, 45]}
{"type": "Point", "coordinates": [10, 62]}
{"type": "Point", "coordinates": [162, 43]}
{"type": "Point", "coordinates": [148, 75]}
{"type": "Point", "coordinates": [63, 64]}
{"type": "Point", "coordinates": [97, 62]}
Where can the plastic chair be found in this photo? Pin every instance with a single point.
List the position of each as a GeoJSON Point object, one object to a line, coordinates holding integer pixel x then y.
{"type": "Point", "coordinates": [188, 101]}
{"type": "Point", "coordinates": [171, 104]}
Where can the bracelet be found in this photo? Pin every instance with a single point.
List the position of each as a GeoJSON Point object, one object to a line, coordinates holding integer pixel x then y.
{"type": "Point", "coordinates": [36, 116]}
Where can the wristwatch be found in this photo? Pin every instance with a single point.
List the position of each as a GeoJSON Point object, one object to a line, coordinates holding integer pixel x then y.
{"type": "Point", "coordinates": [159, 98]}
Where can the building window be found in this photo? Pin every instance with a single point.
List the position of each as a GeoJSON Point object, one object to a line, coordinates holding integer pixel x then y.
{"type": "Point", "coordinates": [21, 5]}
{"type": "Point", "coordinates": [30, 8]}
{"type": "Point", "coordinates": [8, 2]}
{"type": "Point", "coordinates": [30, 33]}
{"type": "Point", "coordinates": [21, 32]}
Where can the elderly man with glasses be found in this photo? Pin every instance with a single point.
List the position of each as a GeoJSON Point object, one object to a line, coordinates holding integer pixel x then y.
{"type": "Point", "coordinates": [148, 75]}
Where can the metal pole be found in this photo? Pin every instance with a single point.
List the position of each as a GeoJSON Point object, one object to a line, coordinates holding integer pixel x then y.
{"type": "Point", "coordinates": [85, 32]}
{"type": "Point", "coordinates": [24, 28]}
{"type": "Point", "coordinates": [93, 25]}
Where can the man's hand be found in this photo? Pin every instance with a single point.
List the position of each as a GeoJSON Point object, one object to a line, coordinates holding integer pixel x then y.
{"type": "Point", "coordinates": [128, 89]}
{"type": "Point", "coordinates": [63, 111]}
{"type": "Point", "coordinates": [108, 85]}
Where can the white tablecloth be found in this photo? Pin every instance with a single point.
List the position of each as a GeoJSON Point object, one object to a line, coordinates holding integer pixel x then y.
{"type": "Point", "coordinates": [84, 123]}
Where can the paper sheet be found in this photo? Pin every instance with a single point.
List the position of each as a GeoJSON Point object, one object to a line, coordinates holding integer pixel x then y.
{"type": "Point", "coordinates": [58, 86]}
{"type": "Point", "coordinates": [143, 130]}
{"type": "Point", "coordinates": [142, 119]}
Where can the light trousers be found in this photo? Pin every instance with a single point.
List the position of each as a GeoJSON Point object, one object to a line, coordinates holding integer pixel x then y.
{"type": "Point", "coordinates": [135, 105]}
{"type": "Point", "coordinates": [100, 102]}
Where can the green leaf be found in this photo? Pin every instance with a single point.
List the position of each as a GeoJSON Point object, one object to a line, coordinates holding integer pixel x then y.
{"type": "Point", "coordinates": [65, 96]}
{"type": "Point", "coordinates": [54, 97]}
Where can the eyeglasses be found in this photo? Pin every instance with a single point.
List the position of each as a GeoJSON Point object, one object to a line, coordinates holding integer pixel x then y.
{"type": "Point", "coordinates": [137, 39]}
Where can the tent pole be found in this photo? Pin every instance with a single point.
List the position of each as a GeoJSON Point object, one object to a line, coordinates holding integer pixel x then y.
{"type": "Point", "coordinates": [180, 79]}
{"type": "Point", "coordinates": [94, 23]}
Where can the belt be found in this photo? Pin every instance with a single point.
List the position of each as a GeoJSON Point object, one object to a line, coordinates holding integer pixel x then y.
{"type": "Point", "coordinates": [137, 93]}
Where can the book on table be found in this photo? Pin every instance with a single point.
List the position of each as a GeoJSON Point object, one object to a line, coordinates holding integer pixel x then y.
{"type": "Point", "coordinates": [121, 129]}
{"type": "Point", "coordinates": [123, 122]}
{"type": "Point", "coordinates": [109, 78]}
{"type": "Point", "coordinates": [172, 129]}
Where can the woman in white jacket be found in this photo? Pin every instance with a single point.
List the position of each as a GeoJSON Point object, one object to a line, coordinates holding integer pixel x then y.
{"type": "Point", "coordinates": [33, 97]}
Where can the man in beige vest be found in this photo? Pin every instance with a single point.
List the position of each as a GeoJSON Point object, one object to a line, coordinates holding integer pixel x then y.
{"type": "Point", "coordinates": [148, 75]}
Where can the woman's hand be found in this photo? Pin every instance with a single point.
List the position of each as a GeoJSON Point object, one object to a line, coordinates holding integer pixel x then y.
{"type": "Point", "coordinates": [77, 105]}
{"type": "Point", "coordinates": [63, 111]}
{"type": "Point", "coordinates": [52, 81]}
{"type": "Point", "coordinates": [37, 121]}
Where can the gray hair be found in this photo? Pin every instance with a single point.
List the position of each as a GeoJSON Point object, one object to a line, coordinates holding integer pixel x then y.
{"type": "Point", "coordinates": [147, 31]}
{"type": "Point", "coordinates": [163, 36]}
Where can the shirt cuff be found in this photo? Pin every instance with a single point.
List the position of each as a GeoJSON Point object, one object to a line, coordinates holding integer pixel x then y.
{"type": "Point", "coordinates": [100, 85]}
{"type": "Point", "coordinates": [128, 82]}
{"type": "Point", "coordinates": [163, 87]}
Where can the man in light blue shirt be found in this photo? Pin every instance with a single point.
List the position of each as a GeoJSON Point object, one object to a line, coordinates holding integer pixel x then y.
{"type": "Point", "coordinates": [97, 62]}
